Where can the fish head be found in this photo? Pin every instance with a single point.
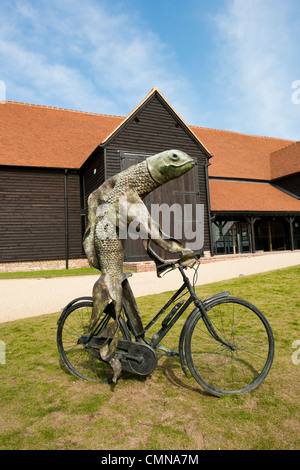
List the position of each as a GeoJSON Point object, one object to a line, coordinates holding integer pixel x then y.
{"type": "Point", "coordinates": [168, 165]}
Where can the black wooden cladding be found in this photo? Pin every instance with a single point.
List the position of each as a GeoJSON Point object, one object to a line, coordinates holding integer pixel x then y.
{"type": "Point", "coordinates": [93, 173]}
{"type": "Point", "coordinates": [33, 215]}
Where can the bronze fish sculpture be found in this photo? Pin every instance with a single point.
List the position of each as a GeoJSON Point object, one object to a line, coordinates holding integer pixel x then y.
{"type": "Point", "coordinates": [111, 208]}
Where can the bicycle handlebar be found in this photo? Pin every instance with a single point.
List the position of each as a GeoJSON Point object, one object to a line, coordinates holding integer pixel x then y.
{"type": "Point", "coordinates": [162, 266]}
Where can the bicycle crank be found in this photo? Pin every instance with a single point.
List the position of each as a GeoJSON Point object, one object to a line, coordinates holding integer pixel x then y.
{"type": "Point", "coordinates": [139, 358]}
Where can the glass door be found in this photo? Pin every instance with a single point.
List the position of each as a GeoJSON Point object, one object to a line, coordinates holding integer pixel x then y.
{"type": "Point", "coordinates": [231, 237]}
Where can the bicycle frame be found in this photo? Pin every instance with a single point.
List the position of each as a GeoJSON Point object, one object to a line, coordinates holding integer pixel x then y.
{"type": "Point", "coordinates": [173, 316]}
{"type": "Point", "coordinates": [170, 318]}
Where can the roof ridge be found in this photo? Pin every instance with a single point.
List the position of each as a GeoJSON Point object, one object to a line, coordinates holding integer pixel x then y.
{"type": "Point", "coordinates": [61, 109]}
{"type": "Point", "coordinates": [154, 89]}
{"type": "Point", "coordinates": [248, 135]}
{"type": "Point", "coordinates": [287, 146]}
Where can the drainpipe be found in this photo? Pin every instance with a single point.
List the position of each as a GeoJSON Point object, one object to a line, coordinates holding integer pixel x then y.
{"type": "Point", "coordinates": [66, 222]}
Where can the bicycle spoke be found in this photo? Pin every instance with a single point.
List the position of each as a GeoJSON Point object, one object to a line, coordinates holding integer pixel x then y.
{"type": "Point", "coordinates": [78, 357]}
{"type": "Point", "coordinates": [246, 354]}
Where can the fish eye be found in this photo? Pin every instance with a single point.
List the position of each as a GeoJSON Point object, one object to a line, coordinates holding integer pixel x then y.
{"type": "Point", "coordinates": [173, 156]}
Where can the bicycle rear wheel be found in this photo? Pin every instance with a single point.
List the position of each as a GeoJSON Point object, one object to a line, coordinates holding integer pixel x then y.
{"type": "Point", "coordinates": [223, 370]}
{"type": "Point", "coordinates": [81, 359]}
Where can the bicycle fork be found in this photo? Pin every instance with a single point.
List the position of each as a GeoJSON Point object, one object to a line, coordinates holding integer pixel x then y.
{"type": "Point", "coordinates": [204, 315]}
{"type": "Point", "coordinates": [211, 329]}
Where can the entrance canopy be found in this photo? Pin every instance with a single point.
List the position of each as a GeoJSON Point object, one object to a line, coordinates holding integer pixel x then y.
{"type": "Point", "coordinates": [242, 196]}
{"type": "Point", "coordinates": [253, 216]}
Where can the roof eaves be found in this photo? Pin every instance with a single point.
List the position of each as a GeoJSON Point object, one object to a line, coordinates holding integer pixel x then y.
{"type": "Point", "coordinates": [289, 193]}
{"type": "Point", "coordinates": [285, 175]}
{"type": "Point", "coordinates": [40, 167]}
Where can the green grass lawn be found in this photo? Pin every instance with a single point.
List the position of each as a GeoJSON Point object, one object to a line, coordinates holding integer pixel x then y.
{"type": "Point", "coordinates": [43, 407]}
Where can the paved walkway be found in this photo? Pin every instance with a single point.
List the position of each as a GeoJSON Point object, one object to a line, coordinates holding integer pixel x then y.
{"type": "Point", "coordinates": [21, 298]}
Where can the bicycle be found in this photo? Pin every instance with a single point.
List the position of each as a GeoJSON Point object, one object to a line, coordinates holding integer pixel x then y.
{"type": "Point", "coordinates": [226, 343]}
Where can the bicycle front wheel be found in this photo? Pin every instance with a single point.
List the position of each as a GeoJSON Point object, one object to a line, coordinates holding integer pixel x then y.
{"type": "Point", "coordinates": [81, 359]}
{"type": "Point", "coordinates": [243, 362]}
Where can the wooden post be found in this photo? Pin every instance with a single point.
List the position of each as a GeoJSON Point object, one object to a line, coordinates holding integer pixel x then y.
{"type": "Point", "coordinates": [290, 220]}
{"type": "Point", "coordinates": [233, 238]}
{"type": "Point", "coordinates": [292, 233]}
{"type": "Point", "coordinates": [251, 220]}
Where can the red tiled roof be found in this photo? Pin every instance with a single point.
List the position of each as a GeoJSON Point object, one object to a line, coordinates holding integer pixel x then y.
{"type": "Point", "coordinates": [230, 196]}
{"type": "Point", "coordinates": [32, 135]}
{"type": "Point", "coordinates": [238, 155]}
{"type": "Point", "coordinates": [285, 161]}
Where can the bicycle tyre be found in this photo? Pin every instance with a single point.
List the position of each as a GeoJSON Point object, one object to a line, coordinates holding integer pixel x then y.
{"type": "Point", "coordinates": [84, 362]}
{"type": "Point", "coordinates": [218, 369]}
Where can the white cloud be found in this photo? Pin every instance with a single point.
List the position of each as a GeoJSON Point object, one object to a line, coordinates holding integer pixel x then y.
{"type": "Point", "coordinates": [83, 55]}
{"type": "Point", "coordinates": [259, 60]}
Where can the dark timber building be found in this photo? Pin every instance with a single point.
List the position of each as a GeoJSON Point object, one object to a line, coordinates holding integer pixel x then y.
{"type": "Point", "coordinates": [51, 159]}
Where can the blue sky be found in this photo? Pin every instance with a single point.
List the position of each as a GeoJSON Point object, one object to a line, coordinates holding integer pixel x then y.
{"type": "Point", "coordinates": [224, 64]}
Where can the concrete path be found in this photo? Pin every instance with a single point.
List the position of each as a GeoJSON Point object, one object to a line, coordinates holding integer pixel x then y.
{"type": "Point", "coordinates": [21, 298]}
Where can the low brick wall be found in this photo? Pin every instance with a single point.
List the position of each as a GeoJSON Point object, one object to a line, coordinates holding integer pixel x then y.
{"type": "Point", "coordinates": [137, 266]}
{"type": "Point", "coordinates": [140, 266]}
{"type": "Point", "coordinates": [42, 265]}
